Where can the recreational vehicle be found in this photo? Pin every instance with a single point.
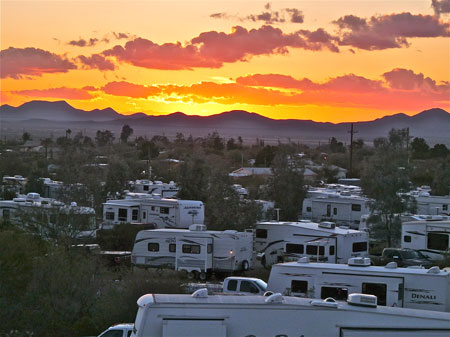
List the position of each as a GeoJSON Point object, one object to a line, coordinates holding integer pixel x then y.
{"type": "Point", "coordinates": [342, 208]}
{"type": "Point", "coordinates": [412, 287]}
{"type": "Point", "coordinates": [322, 242]}
{"type": "Point", "coordinates": [156, 212]}
{"type": "Point", "coordinates": [165, 190]}
{"type": "Point", "coordinates": [196, 250]}
{"type": "Point", "coordinates": [430, 236]}
{"type": "Point", "coordinates": [428, 204]}
{"type": "Point", "coordinates": [48, 216]}
{"type": "Point", "coordinates": [203, 315]}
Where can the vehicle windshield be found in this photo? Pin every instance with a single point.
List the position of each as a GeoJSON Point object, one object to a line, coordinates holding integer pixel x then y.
{"type": "Point", "coordinates": [261, 284]}
{"type": "Point", "coordinates": [412, 254]}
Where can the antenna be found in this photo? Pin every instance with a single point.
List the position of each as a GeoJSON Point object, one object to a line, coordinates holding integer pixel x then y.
{"type": "Point", "coordinates": [278, 214]}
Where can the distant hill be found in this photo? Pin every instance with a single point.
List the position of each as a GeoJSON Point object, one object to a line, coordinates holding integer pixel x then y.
{"type": "Point", "coordinates": [433, 124]}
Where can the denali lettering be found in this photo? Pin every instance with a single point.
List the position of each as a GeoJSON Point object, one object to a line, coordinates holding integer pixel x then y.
{"type": "Point", "coordinates": [423, 297]}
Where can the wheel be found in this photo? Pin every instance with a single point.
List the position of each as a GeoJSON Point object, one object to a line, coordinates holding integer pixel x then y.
{"type": "Point", "coordinates": [190, 275]}
{"type": "Point", "coordinates": [245, 265]}
{"type": "Point", "coordinates": [202, 276]}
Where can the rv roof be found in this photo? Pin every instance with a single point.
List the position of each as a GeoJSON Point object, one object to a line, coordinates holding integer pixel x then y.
{"type": "Point", "coordinates": [180, 230]}
{"type": "Point", "coordinates": [444, 223]}
{"type": "Point", "coordinates": [371, 269]}
{"type": "Point", "coordinates": [288, 301]}
{"type": "Point", "coordinates": [312, 226]}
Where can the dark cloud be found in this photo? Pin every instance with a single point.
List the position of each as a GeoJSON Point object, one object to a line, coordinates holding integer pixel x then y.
{"type": "Point", "coordinates": [296, 15]}
{"type": "Point", "coordinates": [84, 43]}
{"type": "Point", "coordinates": [21, 62]}
{"type": "Point", "coordinates": [440, 6]}
{"type": "Point", "coordinates": [61, 93]}
{"type": "Point", "coordinates": [130, 89]}
{"type": "Point", "coordinates": [120, 36]}
{"type": "Point", "coordinates": [405, 79]}
{"type": "Point", "coordinates": [96, 61]}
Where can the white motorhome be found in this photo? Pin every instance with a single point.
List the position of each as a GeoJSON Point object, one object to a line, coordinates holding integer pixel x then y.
{"type": "Point", "coordinates": [323, 242]}
{"type": "Point", "coordinates": [196, 250]}
{"type": "Point", "coordinates": [428, 204]}
{"type": "Point", "coordinates": [46, 215]}
{"type": "Point", "coordinates": [417, 288]}
{"type": "Point", "coordinates": [202, 315]}
{"type": "Point", "coordinates": [165, 190]}
{"type": "Point", "coordinates": [430, 236]}
{"type": "Point", "coordinates": [139, 208]}
{"type": "Point", "coordinates": [343, 208]}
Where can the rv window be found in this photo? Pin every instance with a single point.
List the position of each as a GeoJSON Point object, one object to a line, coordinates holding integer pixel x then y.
{"type": "Point", "coordinates": [109, 215]}
{"type": "Point", "coordinates": [359, 246]}
{"type": "Point", "coordinates": [328, 210]}
{"type": "Point", "coordinates": [248, 287]}
{"type": "Point", "coordinates": [123, 214]}
{"type": "Point", "coordinates": [191, 249]}
{"type": "Point", "coordinates": [164, 210]}
{"type": "Point", "coordinates": [209, 249]}
{"type": "Point", "coordinates": [261, 233]}
{"type": "Point", "coordinates": [144, 215]}
{"type": "Point", "coordinates": [129, 333]}
{"type": "Point", "coordinates": [356, 207]}
{"type": "Point", "coordinates": [6, 213]}
{"type": "Point", "coordinates": [331, 250]}
{"type": "Point", "coordinates": [445, 207]}
{"type": "Point", "coordinates": [308, 209]}
{"type": "Point", "coordinates": [407, 238]}
{"type": "Point", "coordinates": [135, 214]}
{"type": "Point", "coordinates": [145, 187]}
{"type": "Point", "coordinates": [153, 208]}
{"type": "Point", "coordinates": [299, 286]}
{"type": "Point", "coordinates": [232, 285]}
{"type": "Point", "coordinates": [153, 247]}
{"type": "Point", "coordinates": [339, 294]}
{"type": "Point", "coordinates": [437, 241]}
{"type": "Point", "coordinates": [172, 247]}
{"type": "Point", "coordinates": [335, 211]}
{"type": "Point", "coordinates": [377, 289]}
{"type": "Point", "coordinates": [312, 250]}
{"type": "Point", "coordinates": [294, 248]}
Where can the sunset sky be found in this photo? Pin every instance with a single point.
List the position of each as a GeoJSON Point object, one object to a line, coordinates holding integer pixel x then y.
{"type": "Point", "coordinates": [335, 61]}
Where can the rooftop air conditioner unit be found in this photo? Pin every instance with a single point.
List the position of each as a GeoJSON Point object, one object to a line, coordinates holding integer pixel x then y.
{"type": "Point", "coordinates": [364, 300]}
{"type": "Point", "coordinates": [327, 224]}
{"type": "Point", "coordinates": [359, 261]}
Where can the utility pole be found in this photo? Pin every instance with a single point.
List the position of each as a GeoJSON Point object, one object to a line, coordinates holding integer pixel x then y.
{"type": "Point", "coordinates": [351, 150]}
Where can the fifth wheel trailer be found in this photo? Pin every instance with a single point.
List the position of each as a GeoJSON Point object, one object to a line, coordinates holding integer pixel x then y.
{"type": "Point", "coordinates": [416, 288]}
{"type": "Point", "coordinates": [324, 242]}
{"type": "Point", "coordinates": [201, 315]}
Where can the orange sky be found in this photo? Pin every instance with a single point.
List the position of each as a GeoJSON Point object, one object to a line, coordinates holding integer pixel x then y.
{"type": "Point", "coordinates": [332, 60]}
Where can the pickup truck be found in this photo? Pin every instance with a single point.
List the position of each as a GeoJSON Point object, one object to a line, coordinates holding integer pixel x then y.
{"type": "Point", "coordinates": [118, 330]}
{"type": "Point", "coordinates": [232, 285]}
{"type": "Point", "coordinates": [403, 257]}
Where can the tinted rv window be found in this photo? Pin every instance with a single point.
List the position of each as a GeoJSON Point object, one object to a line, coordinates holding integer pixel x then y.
{"type": "Point", "coordinates": [109, 215]}
{"type": "Point", "coordinates": [164, 210]}
{"type": "Point", "coordinates": [445, 207]}
{"type": "Point", "coordinates": [145, 187]}
{"type": "Point", "coordinates": [335, 211]}
{"type": "Point", "coordinates": [356, 207]}
{"type": "Point", "coordinates": [337, 293]}
{"type": "Point", "coordinates": [359, 246]}
{"type": "Point", "coordinates": [123, 214]}
{"type": "Point", "coordinates": [312, 250]}
{"type": "Point", "coordinates": [377, 289]}
{"type": "Point", "coordinates": [308, 209]}
{"type": "Point", "coordinates": [153, 247]}
{"type": "Point", "coordinates": [299, 286]}
{"type": "Point", "coordinates": [135, 214]}
{"type": "Point", "coordinates": [209, 251]}
{"type": "Point", "coordinates": [232, 285]}
{"type": "Point", "coordinates": [261, 233]}
{"type": "Point", "coordinates": [294, 248]}
{"type": "Point", "coordinates": [172, 247]}
{"type": "Point", "coordinates": [437, 241]}
{"type": "Point", "coordinates": [191, 249]}
{"type": "Point", "coordinates": [331, 250]}
{"type": "Point", "coordinates": [407, 238]}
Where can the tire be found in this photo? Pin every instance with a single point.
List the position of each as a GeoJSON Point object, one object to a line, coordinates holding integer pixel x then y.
{"type": "Point", "coordinates": [202, 276]}
{"type": "Point", "coordinates": [245, 265]}
{"type": "Point", "coordinates": [190, 275]}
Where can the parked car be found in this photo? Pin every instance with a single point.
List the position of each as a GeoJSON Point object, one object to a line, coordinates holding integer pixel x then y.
{"type": "Point", "coordinates": [118, 330]}
{"type": "Point", "coordinates": [404, 257]}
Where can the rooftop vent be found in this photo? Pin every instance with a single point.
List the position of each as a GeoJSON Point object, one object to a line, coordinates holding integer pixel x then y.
{"type": "Point", "coordinates": [434, 270]}
{"type": "Point", "coordinates": [197, 228]}
{"type": "Point", "coordinates": [327, 224]}
{"type": "Point", "coordinates": [200, 293]}
{"type": "Point", "coordinates": [274, 298]}
{"type": "Point", "coordinates": [328, 302]}
{"type": "Point", "coordinates": [364, 300]}
{"type": "Point", "coordinates": [391, 265]}
{"type": "Point", "coordinates": [359, 261]}
{"type": "Point", "coordinates": [303, 259]}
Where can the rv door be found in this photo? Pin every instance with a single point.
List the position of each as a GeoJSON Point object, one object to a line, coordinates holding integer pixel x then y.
{"type": "Point", "coordinates": [194, 254]}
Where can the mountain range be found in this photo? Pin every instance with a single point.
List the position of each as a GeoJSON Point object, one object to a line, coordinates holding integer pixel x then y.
{"type": "Point", "coordinates": [433, 124]}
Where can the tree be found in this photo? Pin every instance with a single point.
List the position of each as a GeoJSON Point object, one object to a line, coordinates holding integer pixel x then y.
{"type": "Point", "coordinates": [103, 138]}
{"type": "Point", "coordinates": [192, 179]}
{"type": "Point", "coordinates": [286, 187]}
{"type": "Point", "coordinates": [336, 146]}
{"type": "Point", "coordinates": [265, 156]}
{"type": "Point", "coordinates": [26, 137]}
{"type": "Point", "coordinates": [419, 148]}
{"type": "Point", "coordinates": [127, 131]}
{"type": "Point", "coordinates": [384, 175]}
{"type": "Point", "coordinates": [441, 181]}
{"type": "Point", "coordinates": [439, 151]}
{"type": "Point", "coordinates": [68, 132]}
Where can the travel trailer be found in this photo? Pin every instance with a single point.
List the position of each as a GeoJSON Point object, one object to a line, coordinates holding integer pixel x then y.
{"type": "Point", "coordinates": [203, 315]}
{"type": "Point", "coordinates": [47, 216]}
{"type": "Point", "coordinates": [196, 250]}
{"type": "Point", "coordinates": [323, 242]}
{"type": "Point", "coordinates": [165, 190]}
{"type": "Point", "coordinates": [342, 208]}
{"type": "Point", "coordinates": [412, 287]}
{"type": "Point", "coordinates": [156, 212]}
{"type": "Point", "coordinates": [430, 236]}
{"type": "Point", "coordinates": [428, 204]}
